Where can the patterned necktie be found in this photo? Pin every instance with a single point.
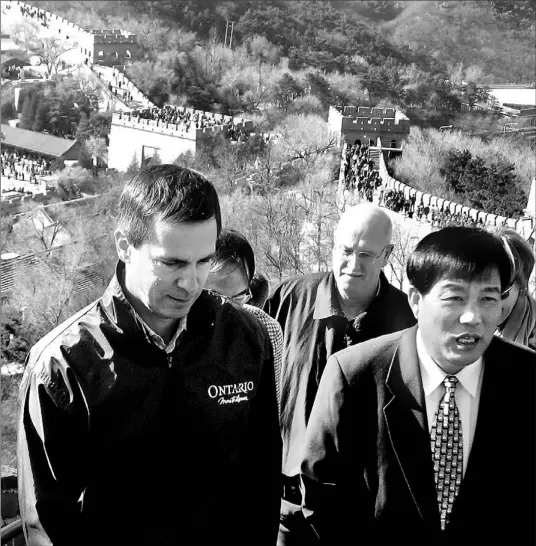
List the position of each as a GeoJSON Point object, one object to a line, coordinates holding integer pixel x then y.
{"type": "Point", "coordinates": [447, 450]}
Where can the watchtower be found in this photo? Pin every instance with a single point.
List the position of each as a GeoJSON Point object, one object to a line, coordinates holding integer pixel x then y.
{"type": "Point", "coordinates": [366, 124]}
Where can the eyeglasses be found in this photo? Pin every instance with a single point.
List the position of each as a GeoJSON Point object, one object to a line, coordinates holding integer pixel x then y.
{"type": "Point", "coordinates": [242, 297]}
{"type": "Point", "coordinates": [366, 258]}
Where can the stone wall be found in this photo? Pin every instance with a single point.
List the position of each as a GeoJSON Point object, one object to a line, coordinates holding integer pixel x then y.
{"type": "Point", "coordinates": [89, 42]}
{"type": "Point", "coordinates": [524, 226]}
{"type": "Point", "coordinates": [130, 134]}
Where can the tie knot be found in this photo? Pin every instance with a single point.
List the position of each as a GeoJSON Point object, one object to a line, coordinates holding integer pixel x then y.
{"type": "Point", "coordinates": [450, 382]}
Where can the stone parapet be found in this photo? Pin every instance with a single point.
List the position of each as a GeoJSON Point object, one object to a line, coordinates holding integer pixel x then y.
{"type": "Point", "coordinates": [375, 124]}
{"type": "Point", "coordinates": [524, 226]}
{"type": "Point", "coordinates": [127, 119]}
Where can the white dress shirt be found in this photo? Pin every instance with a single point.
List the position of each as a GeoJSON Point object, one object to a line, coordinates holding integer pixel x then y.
{"type": "Point", "coordinates": [467, 393]}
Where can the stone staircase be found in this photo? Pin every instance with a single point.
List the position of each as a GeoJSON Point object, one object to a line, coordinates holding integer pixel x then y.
{"type": "Point", "coordinates": [374, 154]}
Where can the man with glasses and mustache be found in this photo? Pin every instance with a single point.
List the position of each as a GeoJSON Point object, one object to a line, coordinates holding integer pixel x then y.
{"type": "Point", "coordinates": [146, 417]}
{"type": "Point", "coordinates": [320, 314]}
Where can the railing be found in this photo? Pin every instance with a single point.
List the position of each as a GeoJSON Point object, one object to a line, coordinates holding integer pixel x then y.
{"type": "Point", "coordinates": [12, 534]}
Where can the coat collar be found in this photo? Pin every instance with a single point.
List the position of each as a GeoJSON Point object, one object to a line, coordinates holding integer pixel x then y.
{"type": "Point", "coordinates": [405, 417]}
{"type": "Point", "coordinates": [327, 303]}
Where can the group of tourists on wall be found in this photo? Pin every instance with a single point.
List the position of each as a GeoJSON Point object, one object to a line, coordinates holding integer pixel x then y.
{"type": "Point", "coordinates": [439, 217]}
{"type": "Point", "coordinates": [359, 172]}
{"type": "Point", "coordinates": [34, 13]}
{"type": "Point", "coordinates": [188, 119]}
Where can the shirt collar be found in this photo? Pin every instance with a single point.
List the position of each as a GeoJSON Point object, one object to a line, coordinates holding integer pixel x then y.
{"type": "Point", "coordinates": [433, 375]}
{"type": "Point", "coordinates": [327, 302]}
{"type": "Point", "coordinates": [149, 332]}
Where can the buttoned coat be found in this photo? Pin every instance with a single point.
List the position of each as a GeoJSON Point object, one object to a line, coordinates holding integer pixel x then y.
{"type": "Point", "coordinates": [367, 473]}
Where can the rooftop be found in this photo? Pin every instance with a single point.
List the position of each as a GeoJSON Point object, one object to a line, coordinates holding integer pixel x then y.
{"type": "Point", "coordinates": [35, 142]}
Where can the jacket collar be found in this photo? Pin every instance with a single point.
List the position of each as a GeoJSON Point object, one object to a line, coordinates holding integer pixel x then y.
{"type": "Point", "coordinates": [121, 314]}
{"type": "Point", "coordinates": [327, 303]}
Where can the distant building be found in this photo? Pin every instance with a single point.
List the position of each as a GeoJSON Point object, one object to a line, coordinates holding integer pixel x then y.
{"type": "Point", "coordinates": [39, 144]}
{"type": "Point", "coordinates": [514, 94]}
{"type": "Point", "coordinates": [366, 124]}
{"type": "Point", "coordinates": [138, 139]}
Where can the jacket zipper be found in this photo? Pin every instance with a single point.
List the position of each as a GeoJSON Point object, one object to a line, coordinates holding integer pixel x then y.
{"type": "Point", "coordinates": [170, 360]}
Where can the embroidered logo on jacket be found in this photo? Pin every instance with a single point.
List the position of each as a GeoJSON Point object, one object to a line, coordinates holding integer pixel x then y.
{"type": "Point", "coordinates": [231, 394]}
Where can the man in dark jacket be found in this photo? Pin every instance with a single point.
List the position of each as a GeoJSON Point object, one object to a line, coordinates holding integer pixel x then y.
{"type": "Point", "coordinates": [150, 417]}
{"type": "Point", "coordinates": [321, 314]}
{"type": "Point", "coordinates": [426, 437]}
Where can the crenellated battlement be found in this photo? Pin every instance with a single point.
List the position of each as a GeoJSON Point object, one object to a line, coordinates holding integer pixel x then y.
{"type": "Point", "coordinates": [124, 119]}
{"type": "Point", "coordinates": [128, 119]}
{"type": "Point", "coordinates": [104, 46]}
{"type": "Point", "coordinates": [365, 123]}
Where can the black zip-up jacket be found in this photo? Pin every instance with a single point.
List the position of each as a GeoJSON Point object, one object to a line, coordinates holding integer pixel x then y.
{"type": "Point", "coordinates": [121, 444]}
{"type": "Point", "coordinates": [314, 325]}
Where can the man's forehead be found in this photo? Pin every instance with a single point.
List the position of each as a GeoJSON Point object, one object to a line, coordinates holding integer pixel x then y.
{"type": "Point", "coordinates": [360, 235]}
{"type": "Point", "coordinates": [488, 279]}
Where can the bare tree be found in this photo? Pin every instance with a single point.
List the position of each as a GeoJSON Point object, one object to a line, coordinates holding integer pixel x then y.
{"type": "Point", "coordinates": [404, 241]}
{"type": "Point", "coordinates": [305, 137]}
{"type": "Point", "coordinates": [50, 49]}
{"type": "Point", "coordinates": [96, 148]}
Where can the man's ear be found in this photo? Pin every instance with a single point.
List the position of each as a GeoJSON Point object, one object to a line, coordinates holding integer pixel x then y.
{"type": "Point", "coordinates": [388, 251]}
{"type": "Point", "coordinates": [414, 299]}
{"type": "Point", "coordinates": [122, 245]}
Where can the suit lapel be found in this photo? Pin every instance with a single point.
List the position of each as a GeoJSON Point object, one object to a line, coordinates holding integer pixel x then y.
{"type": "Point", "coordinates": [405, 416]}
{"type": "Point", "coordinates": [489, 418]}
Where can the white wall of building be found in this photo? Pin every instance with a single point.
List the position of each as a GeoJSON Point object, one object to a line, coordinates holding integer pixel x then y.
{"type": "Point", "coordinates": [515, 96]}
{"type": "Point", "coordinates": [125, 141]}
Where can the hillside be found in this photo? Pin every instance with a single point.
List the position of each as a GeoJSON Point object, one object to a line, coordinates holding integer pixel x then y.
{"type": "Point", "coordinates": [481, 41]}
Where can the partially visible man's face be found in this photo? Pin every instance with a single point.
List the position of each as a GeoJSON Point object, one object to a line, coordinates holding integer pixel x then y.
{"type": "Point", "coordinates": [357, 260]}
{"type": "Point", "coordinates": [166, 274]}
{"type": "Point", "coordinates": [230, 281]}
{"type": "Point", "coordinates": [457, 318]}
{"type": "Point", "coordinates": [510, 300]}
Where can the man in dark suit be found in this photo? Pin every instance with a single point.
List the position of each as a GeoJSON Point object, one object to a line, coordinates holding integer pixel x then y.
{"type": "Point", "coordinates": [427, 436]}
{"type": "Point", "coordinates": [321, 314]}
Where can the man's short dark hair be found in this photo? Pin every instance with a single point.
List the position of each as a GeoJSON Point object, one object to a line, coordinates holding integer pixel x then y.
{"type": "Point", "coordinates": [456, 252]}
{"type": "Point", "coordinates": [232, 248]}
{"type": "Point", "coordinates": [165, 192]}
{"type": "Point", "coordinates": [260, 288]}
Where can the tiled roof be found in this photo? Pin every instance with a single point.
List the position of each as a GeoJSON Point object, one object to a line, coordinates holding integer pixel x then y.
{"type": "Point", "coordinates": [35, 142]}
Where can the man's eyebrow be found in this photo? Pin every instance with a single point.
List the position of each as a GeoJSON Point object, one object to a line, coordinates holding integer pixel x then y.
{"type": "Point", "coordinates": [460, 286]}
{"type": "Point", "coordinates": [493, 289]}
{"type": "Point", "coordinates": [206, 258]}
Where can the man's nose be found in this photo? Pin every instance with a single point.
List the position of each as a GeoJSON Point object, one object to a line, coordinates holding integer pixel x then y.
{"type": "Point", "coordinates": [188, 279]}
{"type": "Point", "coordinates": [353, 263]}
{"type": "Point", "coordinates": [471, 314]}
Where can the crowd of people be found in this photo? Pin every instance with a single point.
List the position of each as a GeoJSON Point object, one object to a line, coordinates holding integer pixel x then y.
{"type": "Point", "coordinates": [23, 166]}
{"type": "Point", "coordinates": [177, 116]}
{"type": "Point", "coordinates": [12, 72]}
{"type": "Point", "coordinates": [337, 410]}
{"type": "Point", "coordinates": [344, 411]}
{"type": "Point", "coordinates": [34, 13]}
{"type": "Point", "coordinates": [359, 173]}
{"type": "Point", "coordinates": [188, 119]}
{"type": "Point", "coordinates": [439, 217]}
